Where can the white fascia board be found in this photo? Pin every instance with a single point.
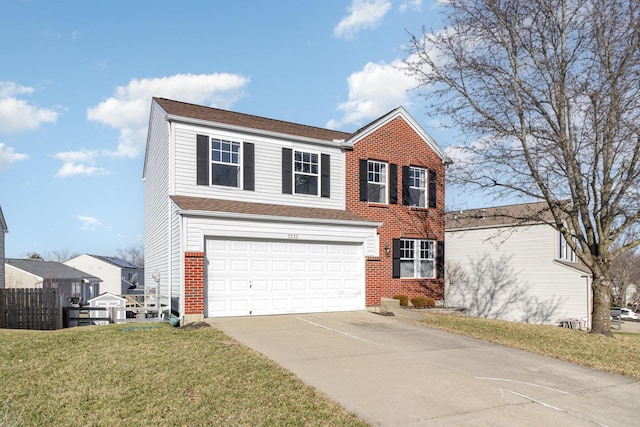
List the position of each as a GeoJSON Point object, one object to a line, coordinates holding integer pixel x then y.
{"type": "Point", "coordinates": [243, 129]}
{"type": "Point", "coordinates": [274, 218]}
{"type": "Point", "coordinates": [401, 112]}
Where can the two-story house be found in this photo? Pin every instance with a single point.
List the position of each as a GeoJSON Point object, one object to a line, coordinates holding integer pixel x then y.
{"type": "Point", "coordinates": [246, 215]}
{"type": "Point", "coordinates": [119, 277]}
{"type": "Point", "coordinates": [503, 264]}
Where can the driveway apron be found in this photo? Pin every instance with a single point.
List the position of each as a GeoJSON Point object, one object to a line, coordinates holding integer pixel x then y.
{"type": "Point", "coordinates": [392, 372]}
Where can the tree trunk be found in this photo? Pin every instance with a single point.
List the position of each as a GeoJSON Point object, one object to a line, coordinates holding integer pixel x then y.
{"type": "Point", "coordinates": [601, 323]}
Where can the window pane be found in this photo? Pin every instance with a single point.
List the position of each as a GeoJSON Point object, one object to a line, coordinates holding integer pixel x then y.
{"type": "Point", "coordinates": [377, 193]}
{"type": "Point", "coordinates": [226, 175]}
{"type": "Point", "coordinates": [416, 197]}
{"type": "Point", "coordinates": [226, 157]}
{"type": "Point", "coordinates": [426, 269]}
{"type": "Point", "coordinates": [406, 268]}
{"type": "Point", "coordinates": [306, 184]}
{"type": "Point", "coordinates": [215, 156]}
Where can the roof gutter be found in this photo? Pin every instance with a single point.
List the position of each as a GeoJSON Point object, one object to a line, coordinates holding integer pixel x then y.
{"type": "Point", "coordinates": [274, 218]}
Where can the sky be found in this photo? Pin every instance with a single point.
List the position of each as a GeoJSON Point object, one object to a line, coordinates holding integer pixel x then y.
{"type": "Point", "coordinates": [77, 78]}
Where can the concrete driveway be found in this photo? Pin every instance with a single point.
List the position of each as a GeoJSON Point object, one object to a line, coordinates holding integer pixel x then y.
{"type": "Point", "coordinates": [392, 372]}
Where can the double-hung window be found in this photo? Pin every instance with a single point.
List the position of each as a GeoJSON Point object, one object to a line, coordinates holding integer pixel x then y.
{"type": "Point", "coordinates": [566, 253]}
{"type": "Point", "coordinates": [417, 258]}
{"type": "Point", "coordinates": [377, 181]}
{"type": "Point", "coordinates": [305, 173]}
{"type": "Point", "coordinates": [417, 186]}
{"type": "Point", "coordinates": [225, 162]}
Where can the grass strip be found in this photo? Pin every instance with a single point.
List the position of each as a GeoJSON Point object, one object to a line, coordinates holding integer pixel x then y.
{"type": "Point", "coordinates": [618, 355]}
{"type": "Point", "coordinates": [142, 375]}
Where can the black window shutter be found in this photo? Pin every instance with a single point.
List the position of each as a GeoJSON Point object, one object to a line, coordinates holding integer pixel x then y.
{"type": "Point", "coordinates": [396, 258]}
{"type": "Point", "coordinates": [202, 160]}
{"type": "Point", "coordinates": [248, 166]}
{"type": "Point", "coordinates": [440, 260]}
{"type": "Point", "coordinates": [287, 159]}
{"type": "Point", "coordinates": [364, 180]}
{"type": "Point", "coordinates": [325, 175]}
{"type": "Point", "coordinates": [405, 185]}
{"type": "Point", "coordinates": [393, 184]}
{"type": "Point", "coordinates": [432, 188]}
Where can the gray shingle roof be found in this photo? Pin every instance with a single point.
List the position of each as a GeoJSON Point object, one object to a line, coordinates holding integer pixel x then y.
{"type": "Point", "coordinates": [49, 269]}
{"type": "Point", "coordinates": [118, 262]}
{"type": "Point", "coordinates": [232, 206]}
{"type": "Point", "coordinates": [520, 214]}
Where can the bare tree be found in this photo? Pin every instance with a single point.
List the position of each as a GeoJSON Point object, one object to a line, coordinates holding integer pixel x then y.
{"type": "Point", "coordinates": [60, 255]}
{"type": "Point", "coordinates": [625, 272]}
{"type": "Point", "coordinates": [549, 90]}
{"type": "Point", "coordinates": [134, 254]}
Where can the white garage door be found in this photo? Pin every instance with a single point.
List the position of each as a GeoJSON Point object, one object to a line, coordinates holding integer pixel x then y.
{"type": "Point", "coordinates": [277, 277]}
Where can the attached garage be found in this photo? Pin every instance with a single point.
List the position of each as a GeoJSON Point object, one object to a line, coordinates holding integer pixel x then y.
{"type": "Point", "coordinates": [259, 277]}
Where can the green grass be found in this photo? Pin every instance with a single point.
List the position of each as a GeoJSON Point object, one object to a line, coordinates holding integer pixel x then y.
{"type": "Point", "coordinates": [618, 355]}
{"type": "Point", "coordinates": [150, 374]}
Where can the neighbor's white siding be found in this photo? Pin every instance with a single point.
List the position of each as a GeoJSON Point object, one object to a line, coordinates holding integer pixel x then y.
{"type": "Point", "coordinates": [157, 205]}
{"type": "Point", "coordinates": [268, 169]}
{"type": "Point", "coordinates": [16, 278]}
{"type": "Point", "coordinates": [511, 274]}
{"type": "Point", "coordinates": [109, 273]}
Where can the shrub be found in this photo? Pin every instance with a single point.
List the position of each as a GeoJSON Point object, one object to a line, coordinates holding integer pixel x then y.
{"type": "Point", "coordinates": [404, 300]}
{"type": "Point", "coordinates": [423, 302]}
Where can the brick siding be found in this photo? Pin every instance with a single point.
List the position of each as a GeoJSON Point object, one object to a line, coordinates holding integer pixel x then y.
{"type": "Point", "coordinates": [398, 143]}
{"type": "Point", "coordinates": [194, 283]}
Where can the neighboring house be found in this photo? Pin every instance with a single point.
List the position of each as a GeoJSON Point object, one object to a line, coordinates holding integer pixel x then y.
{"type": "Point", "coordinates": [3, 231]}
{"type": "Point", "coordinates": [502, 265]}
{"type": "Point", "coordinates": [246, 215]}
{"type": "Point", "coordinates": [119, 277]}
{"type": "Point", "coordinates": [74, 285]}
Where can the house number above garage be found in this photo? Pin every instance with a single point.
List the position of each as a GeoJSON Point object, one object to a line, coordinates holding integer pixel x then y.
{"type": "Point", "coordinates": [292, 236]}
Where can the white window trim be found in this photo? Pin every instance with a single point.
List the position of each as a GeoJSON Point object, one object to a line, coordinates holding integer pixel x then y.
{"type": "Point", "coordinates": [386, 183]}
{"type": "Point", "coordinates": [239, 164]}
{"type": "Point", "coordinates": [417, 252]}
{"type": "Point", "coordinates": [424, 189]}
{"type": "Point", "coordinates": [565, 251]}
{"type": "Point", "coordinates": [293, 173]}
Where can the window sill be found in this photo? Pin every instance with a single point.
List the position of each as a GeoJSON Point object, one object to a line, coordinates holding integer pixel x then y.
{"type": "Point", "coordinates": [378, 205]}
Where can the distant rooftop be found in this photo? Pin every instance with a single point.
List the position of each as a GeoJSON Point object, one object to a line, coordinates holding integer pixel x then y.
{"type": "Point", "coordinates": [115, 261]}
{"type": "Point", "coordinates": [49, 269]}
{"type": "Point", "coordinates": [510, 215]}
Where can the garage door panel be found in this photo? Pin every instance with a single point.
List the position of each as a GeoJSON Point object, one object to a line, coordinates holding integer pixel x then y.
{"type": "Point", "coordinates": [276, 277]}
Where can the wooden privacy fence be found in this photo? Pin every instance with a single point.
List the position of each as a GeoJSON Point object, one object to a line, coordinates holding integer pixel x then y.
{"type": "Point", "coordinates": [30, 309]}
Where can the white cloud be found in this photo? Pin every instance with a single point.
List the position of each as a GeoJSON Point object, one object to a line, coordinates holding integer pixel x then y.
{"type": "Point", "coordinates": [374, 91]}
{"type": "Point", "coordinates": [80, 162]}
{"type": "Point", "coordinates": [8, 156]}
{"type": "Point", "coordinates": [128, 109]}
{"type": "Point", "coordinates": [17, 115]}
{"type": "Point", "coordinates": [88, 222]}
{"type": "Point", "coordinates": [364, 14]}
{"type": "Point", "coordinates": [414, 5]}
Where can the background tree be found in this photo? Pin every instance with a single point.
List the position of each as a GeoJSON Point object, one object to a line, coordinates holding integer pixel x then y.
{"type": "Point", "coordinates": [550, 92]}
{"type": "Point", "coordinates": [625, 273]}
{"type": "Point", "coordinates": [133, 254]}
{"type": "Point", "coordinates": [60, 255]}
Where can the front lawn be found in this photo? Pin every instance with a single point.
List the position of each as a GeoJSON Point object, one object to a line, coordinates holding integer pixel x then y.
{"type": "Point", "coordinates": [617, 355]}
{"type": "Point", "coordinates": [150, 374]}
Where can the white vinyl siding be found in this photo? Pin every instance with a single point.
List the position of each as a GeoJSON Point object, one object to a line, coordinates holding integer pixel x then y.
{"type": "Point", "coordinates": [268, 169]}
{"type": "Point", "coordinates": [109, 274]}
{"type": "Point", "coordinates": [513, 275]}
{"type": "Point", "coordinates": [157, 205]}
